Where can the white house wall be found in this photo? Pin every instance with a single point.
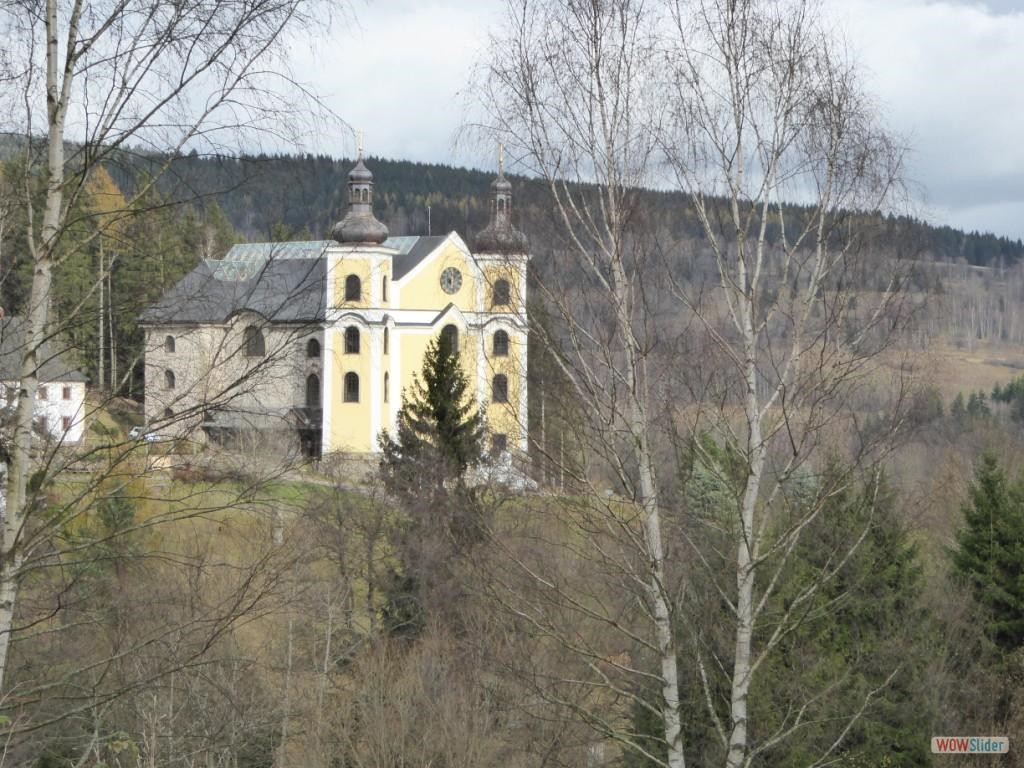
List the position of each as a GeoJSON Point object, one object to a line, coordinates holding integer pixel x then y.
{"type": "Point", "coordinates": [65, 417]}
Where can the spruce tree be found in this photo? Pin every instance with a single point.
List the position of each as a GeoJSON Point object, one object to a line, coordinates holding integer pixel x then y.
{"type": "Point", "coordinates": [990, 555]}
{"type": "Point", "coordinates": [977, 407]}
{"type": "Point", "coordinates": [958, 410]}
{"type": "Point", "coordinates": [440, 434]}
{"type": "Point", "coordinates": [864, 622]}
{"type": "Point", "coordinates": [440, 430]}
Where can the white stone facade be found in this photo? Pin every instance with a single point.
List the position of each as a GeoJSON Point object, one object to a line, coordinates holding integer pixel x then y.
{"type": "Point", "coordinates": [193, 371]}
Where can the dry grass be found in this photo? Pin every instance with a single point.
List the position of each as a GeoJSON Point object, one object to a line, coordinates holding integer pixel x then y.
{"type": "Point", "coordinates": [954, 370]}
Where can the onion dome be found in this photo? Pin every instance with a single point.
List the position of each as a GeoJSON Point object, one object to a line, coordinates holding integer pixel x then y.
{"type": "Point", "coordinates": [359, 224]}
{"type": "Point", "coordinates": [500, 236]}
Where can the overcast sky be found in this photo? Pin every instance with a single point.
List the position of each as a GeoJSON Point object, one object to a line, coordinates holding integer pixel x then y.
{"type": "Point", "coordinates": [947, 73]}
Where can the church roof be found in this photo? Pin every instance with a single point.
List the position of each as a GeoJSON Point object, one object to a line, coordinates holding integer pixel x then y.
{"type": "Point", "coordinates": [412, 253]}
{"type": "Point", "coordinates": [283, 282]}
{"type": "Point", "coordinates": [285, 290]}
{"type": "Point", "coordinates": [53, 366]}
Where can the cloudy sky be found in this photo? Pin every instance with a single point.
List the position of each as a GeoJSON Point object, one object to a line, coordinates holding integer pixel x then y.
{"type": "Point", "coordinates": [946, 72]}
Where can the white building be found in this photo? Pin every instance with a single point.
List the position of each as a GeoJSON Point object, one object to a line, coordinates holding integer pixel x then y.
{"type": "Point", "coordinates": [60, 400]}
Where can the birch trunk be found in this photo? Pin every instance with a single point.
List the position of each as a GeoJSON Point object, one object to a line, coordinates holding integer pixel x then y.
{"type": "Point", "coordinates": [11, 557]}
{"type": "Point", "coordinates": [110, 327]}
{"type": "Point", "coordinates": [664, 633]}
{"type": "Point", "coordinates": [745, 571]}
{"type": "Point", "coordinates": [101, 336]}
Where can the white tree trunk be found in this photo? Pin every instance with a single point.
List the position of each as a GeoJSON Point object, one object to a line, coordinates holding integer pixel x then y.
{"type": "Point", "coordinates": [37, 317]}
{"type": "Point", "coordinates": [101, 336]}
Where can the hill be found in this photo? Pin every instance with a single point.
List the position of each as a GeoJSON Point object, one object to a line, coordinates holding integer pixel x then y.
{"type": "Point", "coordinates": [205, 204]}
{"type": "Point", "coordinates": [293, 196]}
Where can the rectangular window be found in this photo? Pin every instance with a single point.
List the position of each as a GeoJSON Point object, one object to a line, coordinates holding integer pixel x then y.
{"type": "Point", "coordinates": [43, 394]}
{"type": "Point", "coordinates": [499, 443]}
{"type": "Point", "coordinates": [65, 423]}
{"type": "Point", "coordinates": [65, 393]}
{"type": "Point", "coordinates": [499, 388]}
{"type": "Point", "coordinates": [44, 424]}
{"type": "Point", "coordinates": [351, 388]}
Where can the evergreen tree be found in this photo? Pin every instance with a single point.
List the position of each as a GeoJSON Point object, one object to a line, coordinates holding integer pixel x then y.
{"type": "Point", "coordinates": [440, 434]}
{"type": "Point", "coordinates": [990, 555]}
{"type": "Point", "coordinates": [958, 410]}
{"type": "Point", "coordinates": [865, 622]}
{"type": "Point", "coordinates": [439, 427]}
{"type": "Point", "coordinates": [977, 406]}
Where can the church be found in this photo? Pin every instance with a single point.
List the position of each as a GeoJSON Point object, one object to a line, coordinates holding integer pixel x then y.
{"type": "Point", "coordinates": [315, 342]}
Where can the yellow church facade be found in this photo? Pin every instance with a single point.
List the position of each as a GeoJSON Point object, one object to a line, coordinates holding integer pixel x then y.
{"type": "Point", "coordinates": [376, 334]}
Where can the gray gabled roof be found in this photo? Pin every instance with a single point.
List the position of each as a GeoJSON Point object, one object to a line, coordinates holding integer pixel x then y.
{"type": "Point", "coordinates": [245, 260]}
{"type": "Point", "coordinates": [280, 290]}
{"type": "Point", "coordinates": [412, 253]}
{"type": "Point", "coordinates": [53, 365]}
{"type": "Point", "coordinates": [283, 282]}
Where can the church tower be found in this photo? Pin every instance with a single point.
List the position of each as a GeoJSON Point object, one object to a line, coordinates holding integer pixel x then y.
{"type": "Point", "coordinates": [359, 224]}
{"type": "Point", "coordinates": [359, 316]}
{"type": "Point", "coordinates": [500, 236]}
{"type": "Point", "coordinates": [501, 251]}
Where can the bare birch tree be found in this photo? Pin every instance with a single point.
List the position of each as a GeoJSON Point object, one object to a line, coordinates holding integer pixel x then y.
{"type": "Point", "coordinates": [759, 117]}
{"type": "Point", "coordinates": [770, 117]}
{"type": "Point", "coordinates": [86, 84]}
{"type": "Point", "coordinates": [570, 90]}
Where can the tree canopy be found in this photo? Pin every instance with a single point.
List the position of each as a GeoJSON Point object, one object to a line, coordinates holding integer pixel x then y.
{"type": "Point", "coordinates": [990, 553]}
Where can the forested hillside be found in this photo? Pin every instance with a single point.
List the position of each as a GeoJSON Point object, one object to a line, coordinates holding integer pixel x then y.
{"type": "Point", "coordinates": [293, 196]}
{"type": "Point", "coordinates": [205, 204]}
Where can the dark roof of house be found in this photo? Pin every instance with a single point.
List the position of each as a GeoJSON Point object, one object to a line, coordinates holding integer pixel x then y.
{"type": "Point", "coordinates": [53, 365]}
{"type": "Point", "coordinates": [280, 290]}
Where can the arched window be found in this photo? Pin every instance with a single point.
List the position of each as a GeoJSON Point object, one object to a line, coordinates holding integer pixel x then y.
{"type": "Point", "coordinates": [169, 345]}
{"type": "Point", "coordinates": [351, 340]}
{"type": "Point", "coordinates": [169, 380]}
{"type": "Point", "coordinates": [353, 288]}
{"type": "Point", "coordinates": [351, 388]}
{"type": "Point", "coordinates": [384, 288]}
{"type": "Point", "coordinates": [312, 391]}
{"type": "Point", "coordinates": [386, 340]}
{"type": "Point", "coordinates": [500, 344]}
{"type": "Point", "coordinates": [450, 338]}
{"type": "Point", "coordinates": [313, 348]}
{"type": "Point", "coordinates": [387, 385]}
{"type": "Point", "coordinates": [501, 204]}
{"type": "Point", "coordinates": [502, 293]}
{"type": "Point", "coordinates": [255, 346]}
{"type": "Point", "coordinates": [366, 195]}
{"type": "Point", "coordinates": [499, 388]}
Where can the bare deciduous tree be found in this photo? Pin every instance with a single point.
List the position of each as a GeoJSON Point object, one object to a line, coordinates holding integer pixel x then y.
{"type": "Point", "coordinates": [571, 91]}
{"type": "Point", "coordinates": [770, 116]}
{"type": "Point", "coordinates": [88, 83]}
{"type": "Point", "coordinates": [755, 112]}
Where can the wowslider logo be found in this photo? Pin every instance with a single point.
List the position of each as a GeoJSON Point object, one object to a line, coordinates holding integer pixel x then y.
{"type": "Point", "coordinates": [970, 745]}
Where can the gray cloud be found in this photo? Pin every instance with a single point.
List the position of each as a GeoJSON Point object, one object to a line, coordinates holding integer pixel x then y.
{"type": "Point", "coordinates": [946, 74]}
